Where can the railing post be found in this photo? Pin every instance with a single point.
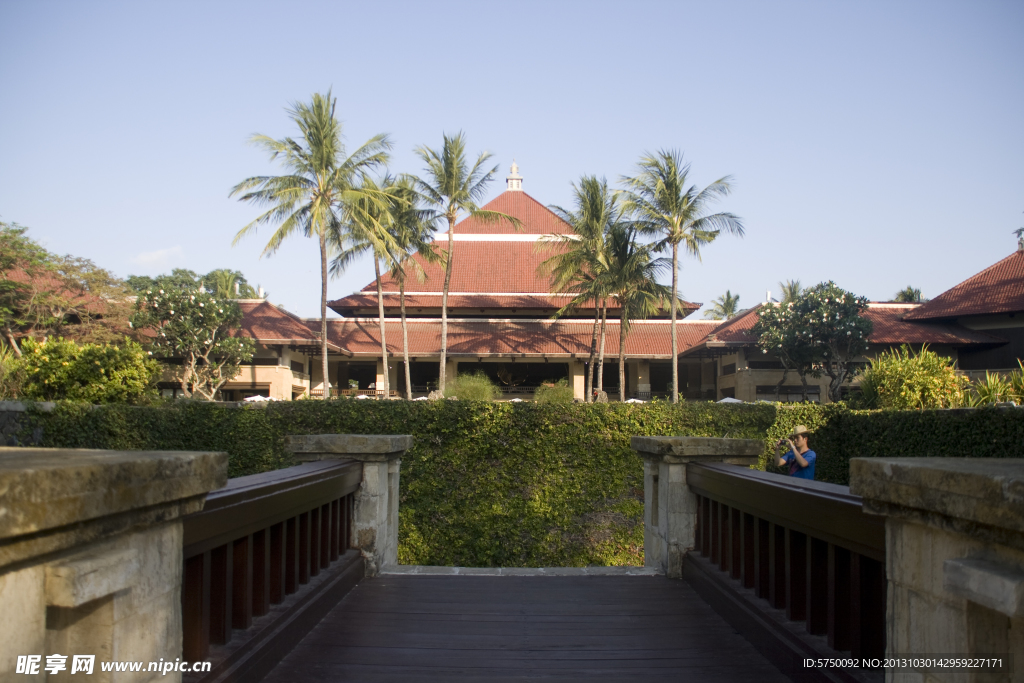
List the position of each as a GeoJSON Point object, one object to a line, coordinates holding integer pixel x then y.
{"type": "Point", "coordinates": [954, 532]}
{"type": "Point", "coordinates": [670, 508]}
{"type": "Point", "coordinates": [374, 524]}
{"type": "Point", "coordinates": [91, 555]}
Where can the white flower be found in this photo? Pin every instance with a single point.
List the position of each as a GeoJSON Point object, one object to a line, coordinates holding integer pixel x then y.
{"type": "Point", "coordinates": [161, 291]}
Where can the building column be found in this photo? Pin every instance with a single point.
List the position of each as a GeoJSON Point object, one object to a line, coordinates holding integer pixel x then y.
{"type": "Point", "coordinates": [578, 379]}
{"type": "Point", "coordinates": [451, 370]}
{"type": "Point", "coordinates": [643, 376]}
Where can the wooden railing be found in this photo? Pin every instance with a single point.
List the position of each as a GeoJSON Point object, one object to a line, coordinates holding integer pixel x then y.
{"type": "Point", "coordinates": [258, 540]}
{"type": "Point", "coordinates": [319, 393]}
{"type": "Point", "coordinates": [803, 546]}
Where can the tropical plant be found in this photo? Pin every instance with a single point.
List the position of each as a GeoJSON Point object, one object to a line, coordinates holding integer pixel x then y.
{"type": "Point", "coordinates": [453, 188]}
{"type": "Point", "coordinates": [60, 369]}
{"type": "Point", "coordinates": [319, 194]}
{"type": "Point", "coordinates": [664, 205]}
{"type": "Point", "coordinates": [580, 265]}
{"type": "Point", "coordinates": [908, 295]}
{"type": "Point", "coordinates": [11, 374]}
{"type": "Point", "coordinates": [902, 379]}
{"type": "Point", "coordinates": [632, 278]}
{"type": "Point", "coordinates": [725, 306]}
{"type": "Point", "coordinates": [192, 331]}
{"type": "Point", "coordinates": [790, 291]}
{"type": "Point", "coordinates": [559, 392]}
{"type": "Point", "coordinates": [472, 386]}
{"type": "Point", "coordinates": [224, 283]}
{"type": "Point", "coordinates": [994, 388]}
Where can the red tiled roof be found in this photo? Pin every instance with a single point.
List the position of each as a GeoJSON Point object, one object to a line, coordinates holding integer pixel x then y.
{"type": "Point", "coordinates": [537, 219]}
{"type": "Point", "coordinates": [997, 289]}
{"type": "Point", "coordinates": [47, 282]}
{"type": "Point", "coordinates": [892, 326]}
{"type": "Point", "coordinates": [468, 301]}
{"type": "Point", "coordinates": [268, 324]}
{"type": "Point", "coordinates": [530, 337]}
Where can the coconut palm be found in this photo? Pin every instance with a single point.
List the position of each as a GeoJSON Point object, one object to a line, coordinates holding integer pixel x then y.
{"type": "Point", "coordinates": [632, 278]}
{"type": "Point", "coordinates": [909, 295]}
{"type": "Point", "coordinates": [725, 306]}
{"type": "Point", "coordinates": [664, 205]}
{"type": "Point", "coordinates": [581, 264]}
{"type": "Point", "coordinates": [454, 188]}
{"type": "Point", "coordinates": [790, 290]}
{"type": "Point", "coordinates": [319, 193]}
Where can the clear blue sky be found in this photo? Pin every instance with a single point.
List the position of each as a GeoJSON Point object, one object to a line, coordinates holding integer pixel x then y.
{"type": "Point", "coordinates": [878, 144]}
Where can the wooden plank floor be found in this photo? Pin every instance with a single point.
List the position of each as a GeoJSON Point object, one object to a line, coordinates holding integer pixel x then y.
{"type": "Point", "coordinates": [505, 628]}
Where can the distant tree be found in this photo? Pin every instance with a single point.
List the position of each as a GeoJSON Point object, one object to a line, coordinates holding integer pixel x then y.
{"type": "Point", "coordinates": [778, 334]}
{"type": "Point", "coordinates": [908, 295]}
{"type": "Point", "coordinates": [224, 283]}
{"type": "Point", "coordinates": [664, 205]}
{"type": "Point", "coordinates": [790, 290]}
{"type": "Point", "coordinates": [725, 306]}
{"type": "Point", "coordinates": [192, 332]}
{"type": "Point", "coordinates": [319, 191]}
{"type": "Point", "coordinates": [179, 278]}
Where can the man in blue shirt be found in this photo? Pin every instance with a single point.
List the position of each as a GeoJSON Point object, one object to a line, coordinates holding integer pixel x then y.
{"type": "Point", "coordinates": [799, 457]}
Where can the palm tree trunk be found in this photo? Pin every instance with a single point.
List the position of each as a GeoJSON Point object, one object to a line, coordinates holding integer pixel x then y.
{"type": "Point", "coordinates": [675, 342]}
{"type": "Point", "coordinates": [323, 312]}
{"type": "Point", "coordinates": [600, 357]}
{"type": "Point", "coordinates": [623, 326]}
{"type": "Point", "coordinates": [380, 322]}
{"type": "Point", "coordinates": [405, 338]}
{"type": "Point", "coordinates": [444, 301]}
{"type": "Point", "coordinates": [589, 398]}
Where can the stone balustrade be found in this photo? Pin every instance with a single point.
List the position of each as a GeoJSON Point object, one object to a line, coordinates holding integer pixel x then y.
{"type": "Point", "coordinates": [375, 517]}
{"type": "Point", "coordinates": [954, 557]}
{"type": "Point", "coordinates": [91, 555]}
{"type": "Point", "coordinates": [670, 507]}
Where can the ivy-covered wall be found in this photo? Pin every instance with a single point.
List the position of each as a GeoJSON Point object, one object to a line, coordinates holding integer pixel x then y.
{"type": "Point", "coordinates": [505, 484]}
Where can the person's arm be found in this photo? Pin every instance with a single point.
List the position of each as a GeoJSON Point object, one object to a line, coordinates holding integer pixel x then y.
{"type": "Point", "coordinates": [779, 460]}
{"type": "Point", "coordinates": [800, 460]}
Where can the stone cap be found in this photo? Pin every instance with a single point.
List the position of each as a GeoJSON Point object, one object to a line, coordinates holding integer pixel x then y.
{"type": "Point", "coordinates": [46, 488]}
{"type": "Point", "coordinates": [681, 449]}
{"type": "Point", "coordinates": [988, 491]}
{"type": "Point", "coordinates": [365, 447]}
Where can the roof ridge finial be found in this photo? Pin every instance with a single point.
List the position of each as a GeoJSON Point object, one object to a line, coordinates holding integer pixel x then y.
{"type": "Point", "coordinates": [1019, 232]}
{"type": "Point", "coordinates": [514, 180]}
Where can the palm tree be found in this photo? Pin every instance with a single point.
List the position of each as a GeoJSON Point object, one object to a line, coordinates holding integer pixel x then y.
{"type": "Point", "coordinates": [454, 189]}
{"type": "Point", "coordinates": [632, 277]}
{"type": "Point", "coordinates": [659, 197]}
{"type": "Point", "coordinates": [725, 307]}
{"type": "Point", "coordinates": [367, 230]}
{"type": "Point", "coordinates": [790, 290]}
{"type": "Point", "coordinates": [581, 266]}
{"type": "Point", "coordinates": [910, 295]}
{"type": "Point", "coordinates": [318, 194]}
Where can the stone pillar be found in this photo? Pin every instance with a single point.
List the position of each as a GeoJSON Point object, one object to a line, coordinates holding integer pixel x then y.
{"type": "Point", "coordinates": [91, 555]}
{"type": "Point", "coordinates": [670, 508]}
{"type": "Point", "coordinates": [578, 378]}
{"type": "Point", "coordinates": [954, 535]}
{"type": "Point", "coordinates": [375, 519]}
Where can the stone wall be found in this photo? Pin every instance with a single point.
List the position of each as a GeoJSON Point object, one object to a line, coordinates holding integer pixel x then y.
{"type": "Point", "coordinates": [12, 423]}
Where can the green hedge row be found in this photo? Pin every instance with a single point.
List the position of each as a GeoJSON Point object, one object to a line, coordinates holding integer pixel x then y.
{"type": "Point", "coordinates": [504, 484]}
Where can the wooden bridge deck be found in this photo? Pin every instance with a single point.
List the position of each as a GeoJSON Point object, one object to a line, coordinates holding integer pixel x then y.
{"type": "Point", "coordinates": [407, 628]}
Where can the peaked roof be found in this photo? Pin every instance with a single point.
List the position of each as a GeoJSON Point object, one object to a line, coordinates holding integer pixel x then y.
{"type": "Point", "coordinates": [537, 219]}
{"type": "Point", "coordinates": [268, 324]}
{"type": "Point", "coordinates": [997, 289]}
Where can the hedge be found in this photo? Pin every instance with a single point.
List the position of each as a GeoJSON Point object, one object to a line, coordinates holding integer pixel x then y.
{"type": "Point", "coordinates": [506, 484]}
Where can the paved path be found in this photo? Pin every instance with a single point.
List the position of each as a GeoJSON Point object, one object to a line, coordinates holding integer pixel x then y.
{"type": "Point", "coordinates": [461, 628]}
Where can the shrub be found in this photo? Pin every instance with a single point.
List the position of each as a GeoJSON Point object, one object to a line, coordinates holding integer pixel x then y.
{"type": "Point", "coordinates": [903, 380]}
{"type": "Point", "coordinates": [996, 388]}
{"type": "Point", "coordinates": [561, 392]}
{"type": "Point", "coordinates": [11, 374]}
{"type": "Point", "coordinates": [475, 386]}
{"type": "Point", "coordinates": [60, 369]}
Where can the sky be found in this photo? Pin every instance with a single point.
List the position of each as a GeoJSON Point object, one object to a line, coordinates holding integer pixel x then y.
{"type": "Point", "coordinates": [876, 144]}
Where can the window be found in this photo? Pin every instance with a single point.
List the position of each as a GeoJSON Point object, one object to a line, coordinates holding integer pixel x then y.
{"type": "Point", "coordinates": [793, 393]}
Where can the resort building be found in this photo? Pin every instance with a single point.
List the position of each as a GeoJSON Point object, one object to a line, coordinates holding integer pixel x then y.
{"type": "Point", "coordinates": [500, 309]}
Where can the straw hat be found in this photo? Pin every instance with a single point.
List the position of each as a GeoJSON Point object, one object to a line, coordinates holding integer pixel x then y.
{"type": "Point", "coordinates": [798, 430]}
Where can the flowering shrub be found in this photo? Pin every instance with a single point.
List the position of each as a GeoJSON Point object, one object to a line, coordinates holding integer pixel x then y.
{"type": "Point", "coordinates": [902, 379]}
{"type": "Point", "coordinates": [93, 373]}
{"type": "Point", "coordinates": [192, 331]}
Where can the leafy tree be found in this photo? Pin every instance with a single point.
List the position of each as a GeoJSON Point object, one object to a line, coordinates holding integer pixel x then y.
{"type": "Point", "coordinates": [790, 290]}
{"type": "Point", "coordinates": [320, 191]}
{"type": "Point", "coordinates": [908, 295]}
{"type": "Point", "coordinates": [180, 278]}
{"type": "Point", "coordinates": [453, 188]}
{"type": "Point", "coordinates": [60, 369]}
{"type": "Point", "coordinates": [725, 306]}
{"type": "Point", "coordinates": [192, 331]}
{"type": "Point", "coordinates": [224, 283]}
{"type": "Point", "coordinates": [581, 265]}
{"type": "Point", "coordinates": [778, 334]}
{"type": "Point", "coordinates": [660, 198]}
{"type": "Point", "coordinates": [901, 379]}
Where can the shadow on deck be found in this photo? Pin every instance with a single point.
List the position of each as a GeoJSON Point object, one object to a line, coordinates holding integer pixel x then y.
{"type": "Point", "coordinates": [498, 628]}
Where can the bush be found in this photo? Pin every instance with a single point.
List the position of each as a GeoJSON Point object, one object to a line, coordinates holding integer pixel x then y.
{"type": "Point", "coordinates": [903, 380]}
{"type": "Point", "coordinates": [472, 387]}
{"type": "Point", "coordinates": [11, 374]}
{"type": "Point", "coordinates": [996, 388]}
{"type": "Point", "coordinates": [60, 369]}
{"type": "Point", "coordinates": [561, 392]}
